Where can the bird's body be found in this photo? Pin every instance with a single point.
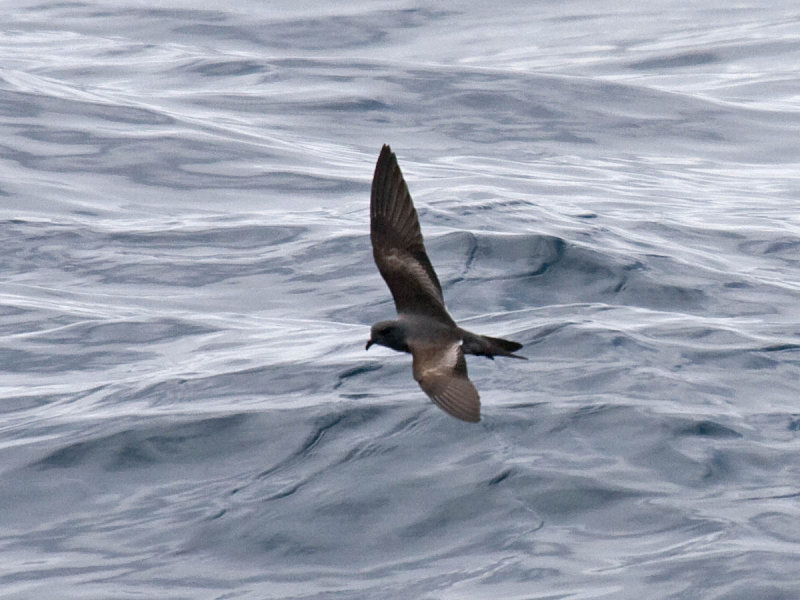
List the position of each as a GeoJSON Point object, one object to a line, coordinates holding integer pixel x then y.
{"type": "Point", "coordinates": [423, 326]}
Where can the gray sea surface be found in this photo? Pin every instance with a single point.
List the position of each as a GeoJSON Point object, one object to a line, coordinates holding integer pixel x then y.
{"type": "Point", "coordinates": [186, 285]}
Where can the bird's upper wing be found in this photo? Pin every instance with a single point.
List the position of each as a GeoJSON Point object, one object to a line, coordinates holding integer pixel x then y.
{"type": "Point", "coordinates": [397, 244]}
{"type": "Point", "coordinates": [441, 372]}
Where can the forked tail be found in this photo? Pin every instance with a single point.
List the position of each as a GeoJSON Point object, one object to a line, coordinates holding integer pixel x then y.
{"type": "Point", "coordinates": [483, 345]}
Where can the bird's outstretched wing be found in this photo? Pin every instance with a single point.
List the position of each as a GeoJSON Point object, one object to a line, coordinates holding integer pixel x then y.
{"type": "Point", "coordinates": [397, 244]}
{"type": "Point", "coordinates": [441, 372]}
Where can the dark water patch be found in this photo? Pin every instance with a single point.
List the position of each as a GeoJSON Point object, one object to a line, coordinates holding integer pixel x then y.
{"type": "Point", "coordinates": [706, 428]}
{"type": "Point", "coordinates": [148, 446]}
{"type": "Point", "coordinates": [127, 115]}
{"type": "Point", "coordinates": [791, 245]}
{"type": "Point", "coordinates": [19, 360]}
{"type": "Point", "coordinates": [182, 274]}
{"type": "Point", "coordinates": [319, 429]}
{"type": "Point", "coordinates": [785, 249]}
{"type": "Point", "coordinates": [11, 404]}
{"type": "Point", "coordinates": [537, 335]}
{"type": "Point", "coordinates": [523, 110]}
{"type": "Point", "coordinates": [17, 105]}
{"type": "Point", "coordinates": [670, 464]}
{"type": "Point", "coordinates": [70, 137]}
{"type": "Point", "coordinates": [759, 575]}
{"type": "Point", "coordinates": [123, 332]}
{"type": "Point", "coordinates": [216, 31]}
{"type": "Point", "coordinates": [325, 33]}
{"type": "Point", "coordinates": [738, 285]}
{"type": "Point", "coordinates": [350, 418]}
{"type": "Point", "coordinates": [161, 161]}
{"type": "Point", "coordinates": [190, 257]}
{"type": "Point", "coordinates": [732, 358]}
{"type": "Point", "coordinates": [327, 439]}
{"type": "Point", "coordinates": [675, 61]}
{"type": "Point", "coordinates": [303, 183]}
{"type": "Point", "coordinates": [273, 381]}
{"type": "Point", "coordinates": [230, 68]}
{"type": "Point", "coordinates": [337, 475]}
{"type": "Point", "coordinates": [355, 372]}
{"type": "Point", "coordinates": [501, 104]}
{"type": "Point", "coordinates": [23, 321]}
{"type": "Point", "coordinates": [576, 496]}
{"type": "Point", "coordinates": [518, 408]}
{"type": "Point", "coordinates": [691, 453]}
{"type": "Point", "coordinates": [343, 31]}
{"type": "Point", "coordinates": [500, 478]}
{"type": "Point", "coordinates": [518, 572]}
{"type": "Point", "coordinates": [534, 270]}
{"type": "Point", "coordinates": [25, 105]}
{"type": "Point", "coordinates": [371, 448]}
{"type": "Point", "coordinates": [244, 237]}
{"type": "Point", "coordinates": [158, 159]}
{"type": "Point", "coordinates": [56, 6]}
{"type": "Point", "coordinates": [299, 444]}
{"type": "Point", "coordinates": [354, 105]}
{"type": "Point", "coordinates": [11, 317]}
{"type": "Point", "coordinates": [780, 347]}
{"type": "Point", "coordinates": [163, 14]}
{"type": "Point", "coordinates": [782, 526]}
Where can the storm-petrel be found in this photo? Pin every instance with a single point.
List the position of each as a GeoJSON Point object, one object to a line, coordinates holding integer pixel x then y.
{"type": "Point", "coordinates": [423, 326]}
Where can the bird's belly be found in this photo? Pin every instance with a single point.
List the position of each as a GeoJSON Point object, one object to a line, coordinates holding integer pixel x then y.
{"type": "Point", "coordinates": [427, 330]}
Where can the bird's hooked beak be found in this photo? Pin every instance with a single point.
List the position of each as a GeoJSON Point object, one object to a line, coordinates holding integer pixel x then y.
{"type": "Point", "coordinates": [369, 343]}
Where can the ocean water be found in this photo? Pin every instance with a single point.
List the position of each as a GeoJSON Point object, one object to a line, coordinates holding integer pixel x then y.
{"type": "Point", "coordinates": [186, 406]}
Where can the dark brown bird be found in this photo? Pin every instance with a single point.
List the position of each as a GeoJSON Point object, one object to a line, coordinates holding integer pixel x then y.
{"type": "Point", "coordinates": [423, 326]}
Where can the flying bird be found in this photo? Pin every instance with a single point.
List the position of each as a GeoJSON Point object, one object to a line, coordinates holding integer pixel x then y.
{"type": "Point", "coordinates": [423, 326]}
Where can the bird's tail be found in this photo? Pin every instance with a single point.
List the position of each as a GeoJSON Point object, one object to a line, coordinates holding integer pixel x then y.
{"type": "Point", "coordinates": [483, 345]}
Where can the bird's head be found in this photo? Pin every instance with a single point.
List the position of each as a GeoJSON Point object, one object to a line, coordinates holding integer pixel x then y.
{"type": "Point", "coordinates": [391, 334]}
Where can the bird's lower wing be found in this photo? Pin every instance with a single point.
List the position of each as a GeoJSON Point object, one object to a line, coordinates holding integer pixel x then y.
{"type": "Point", "coordinates": [454, 395]}
{"type": "Point", "coordinates": [442, 374]}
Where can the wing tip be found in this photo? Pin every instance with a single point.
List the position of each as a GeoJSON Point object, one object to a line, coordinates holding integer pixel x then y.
{"type": "Point", "coordinates": [385, 168]}
{"type": "Point", "coordinates": [456, 396]}
{"type": "Point", "coordinates": [468, 414]}
{"type": "Point", "coordinates": [386, 154]}
{"type": "Point", "coordinates": [472, 418]}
